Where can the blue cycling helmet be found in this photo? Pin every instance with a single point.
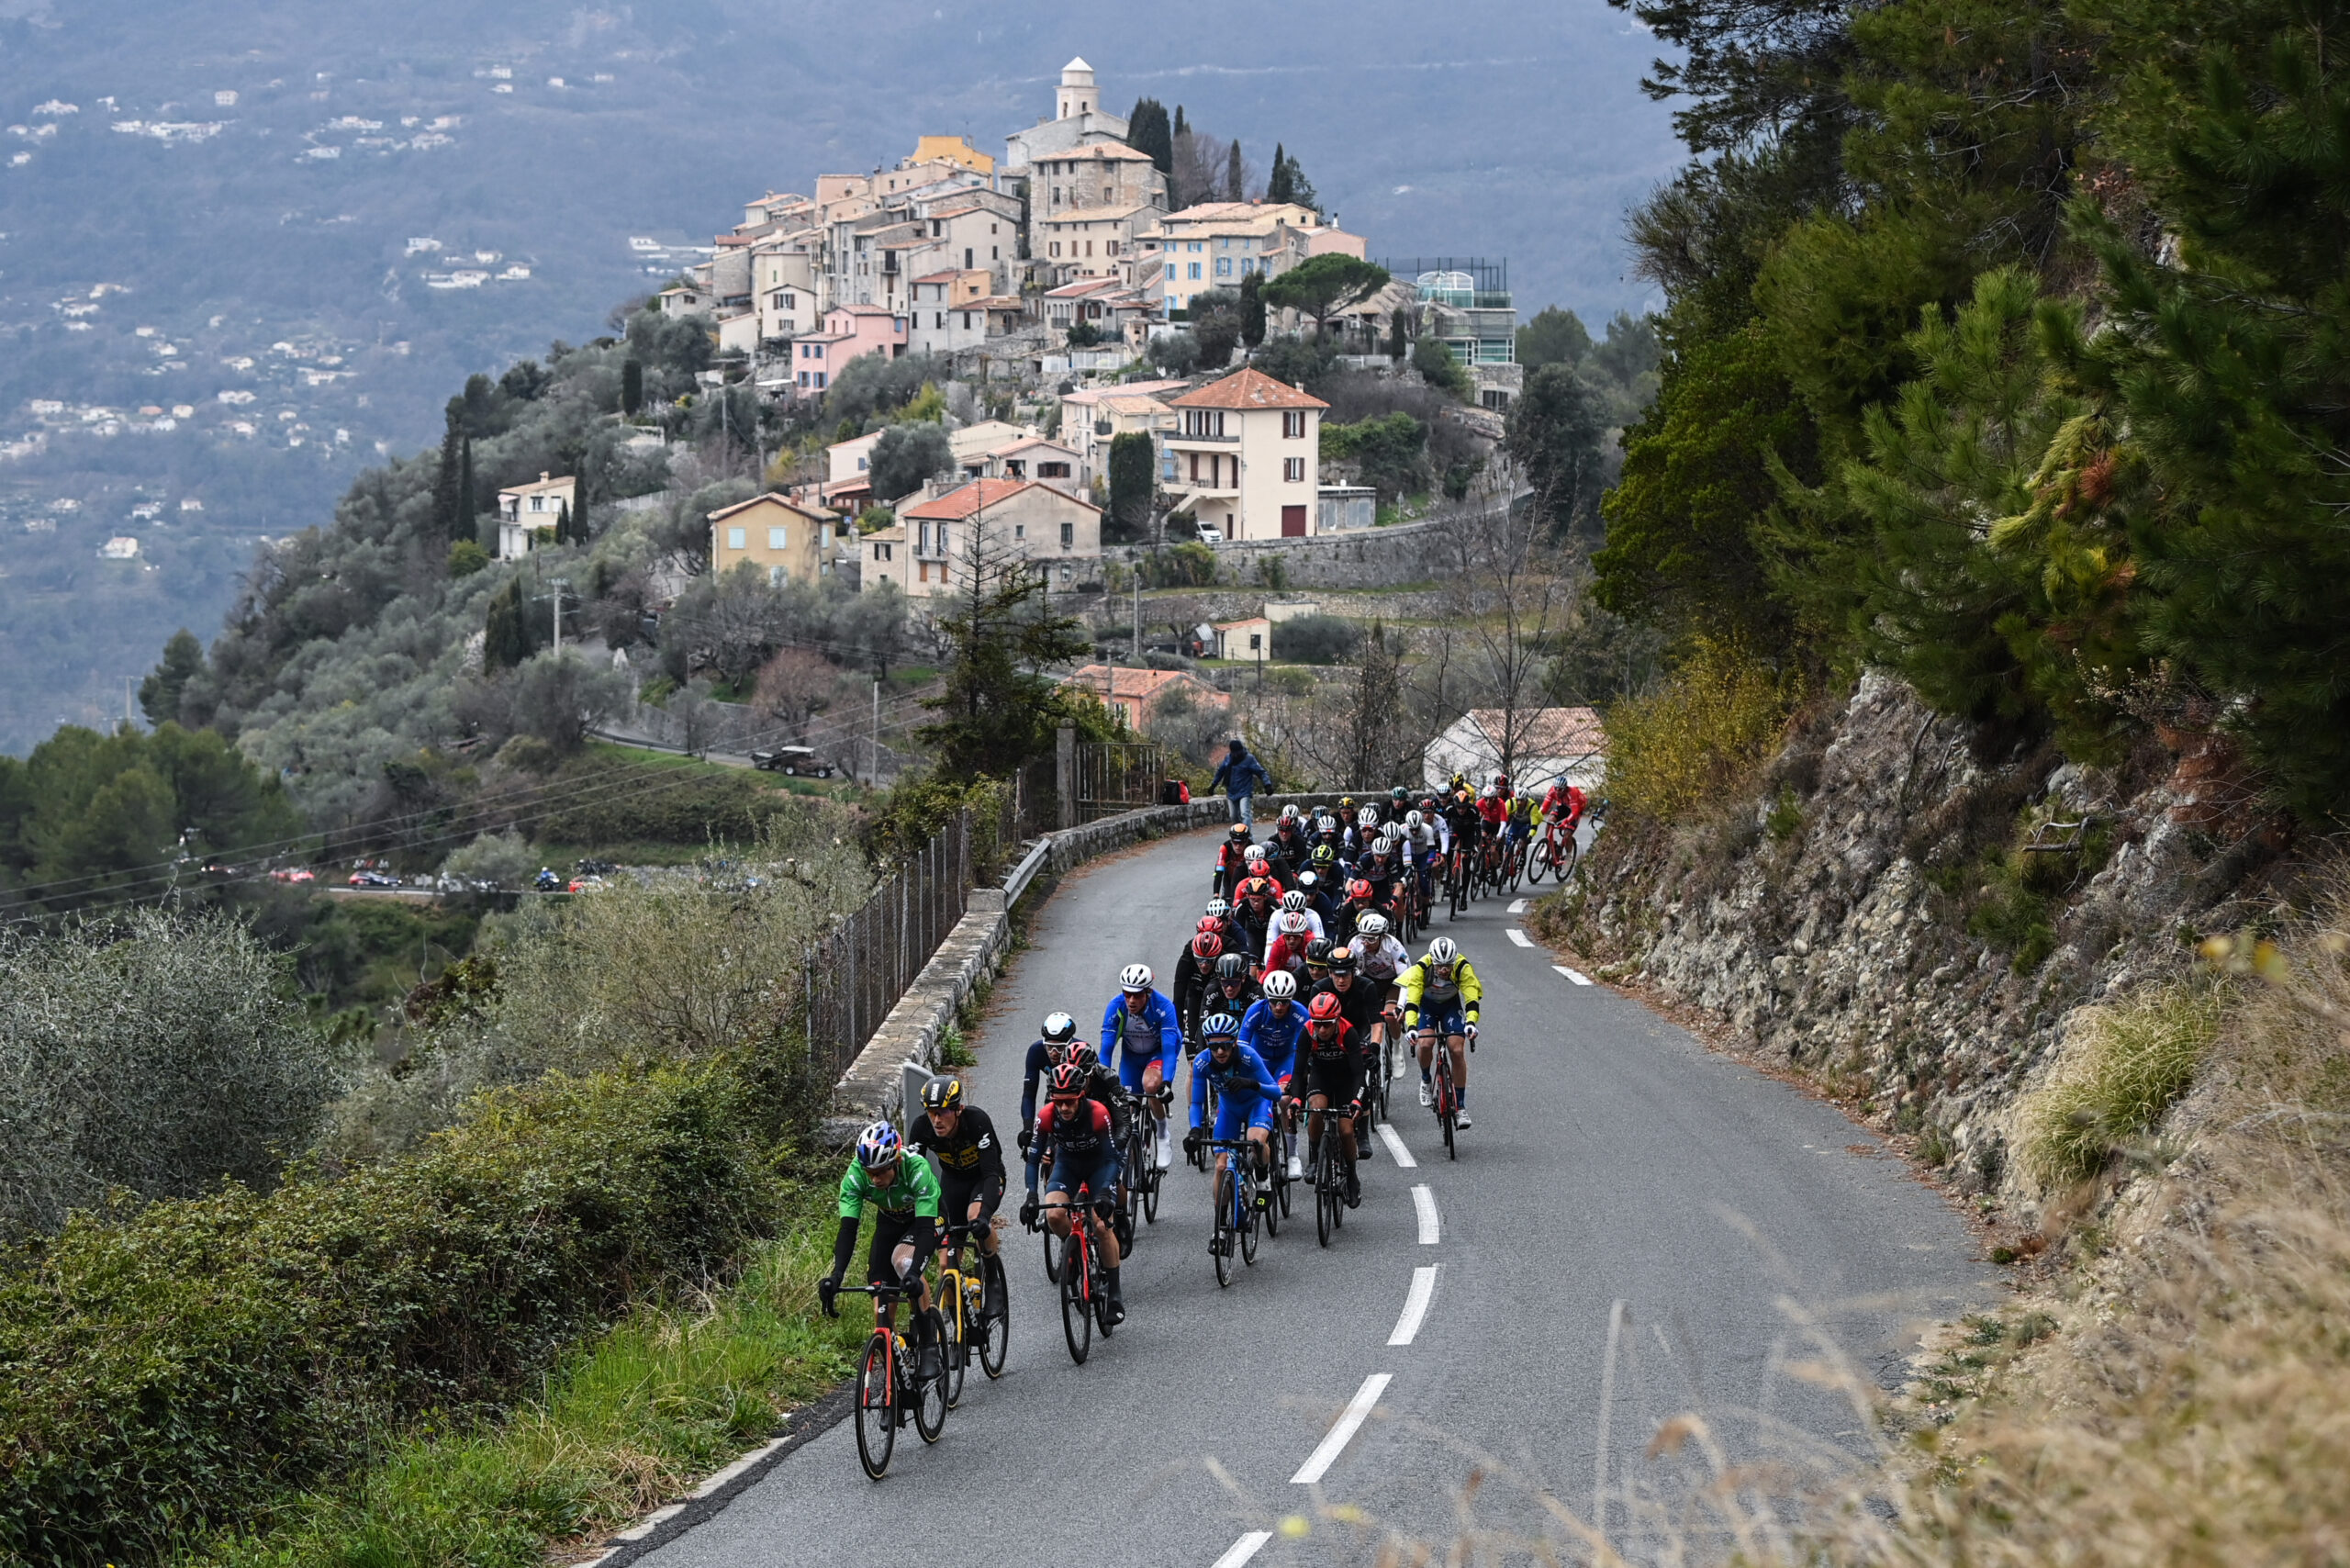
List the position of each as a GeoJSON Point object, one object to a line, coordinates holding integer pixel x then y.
{"type": "Point", "coordinates": [878, 1144]}
{"type": "Point", "coordinates": [1220, 1026]}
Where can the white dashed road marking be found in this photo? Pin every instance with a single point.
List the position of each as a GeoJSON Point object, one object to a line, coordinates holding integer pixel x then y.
{"type": "Point", "coordinates": [1575, 975]}
{"type": "Point", "coordinates": [1425, 1202]}
{"type": "Point", "coordinates": [1415, 1305]}
{"type": "Point", "coordinates": [1394, 1142]}
{"type": "Point", "coordinates": [1335, 1441]}
{"type": "Point", "coordinates": [1244, 1549]}
{"type": "Point", "coordinates": [1518, 906]}
{"type": "Point", "coordinates": [1520, 937]}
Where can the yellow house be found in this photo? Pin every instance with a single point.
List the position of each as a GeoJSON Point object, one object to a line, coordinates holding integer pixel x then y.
{"type": "Point", "coordinates": [789, 541]}
{"type": "Point", "coordinates": [951, 150]}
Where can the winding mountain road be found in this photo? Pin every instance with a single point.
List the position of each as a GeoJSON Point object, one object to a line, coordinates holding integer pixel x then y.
{"type": "Point", "coordinates": [1635, 1228]}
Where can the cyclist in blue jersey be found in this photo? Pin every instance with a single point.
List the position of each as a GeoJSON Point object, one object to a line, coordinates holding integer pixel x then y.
{"type": "Point", "coordinates": [1271, 1029]}
{"type": "Point", "coordinates": [1246, 1096]}
{"type": "Point", "coordinates": [1145, 1030]}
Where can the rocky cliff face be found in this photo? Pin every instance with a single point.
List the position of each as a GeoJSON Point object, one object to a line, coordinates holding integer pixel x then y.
{"type": "Point", "coordinates": [1908, 922]}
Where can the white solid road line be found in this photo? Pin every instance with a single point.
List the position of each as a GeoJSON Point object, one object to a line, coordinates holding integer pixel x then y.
{"type": "Point", "coordinates": [1335, 1441]}
{"type": "Point", "coordinates": [1425, 1201]}
{"type": "Point", "coordinates": [1244, 1549]}
{"type": "Point", "coordinates": [1415, 1305]}
{"type": "Point", "coordinates": [1518, 906]}
{"type": "Point", "coordinates": [1575, 975]}
{"type": "Point", "coordinates": [1394, 1142]}
{"type": "Point", "coordinates": [1520, 937]}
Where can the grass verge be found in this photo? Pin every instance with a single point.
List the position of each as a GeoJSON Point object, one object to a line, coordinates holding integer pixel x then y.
{"type": "Point", "coordinates": [627, 1422]}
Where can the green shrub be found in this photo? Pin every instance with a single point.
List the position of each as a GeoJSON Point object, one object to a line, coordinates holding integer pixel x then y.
{"type": "Point", "coordinates": [2121, 1069]}
{"type": "Point", "coordinates": [1695, 743]}
{"type": "Point", "coordinates": [467, 557]}
{"type": "Point", "coordinates": [179, 1368]}
{"type": "Point", "coordinates": [1315, 639]}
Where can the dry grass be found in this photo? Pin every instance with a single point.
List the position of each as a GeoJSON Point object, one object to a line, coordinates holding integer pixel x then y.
{"type": "Point", "coordinates": [2122, 1069]}
{"type": "Point", "coordinates": [1695, 743]}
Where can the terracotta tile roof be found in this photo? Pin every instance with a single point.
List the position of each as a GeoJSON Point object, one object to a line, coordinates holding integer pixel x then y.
{"type": "Point", "coordinates": [1248, 389]}
{"type": "Point", "coordinates": [770, 499]}
{"type": "Point", "coordinates": [1124, 389]}
{"type": "Point", "coordinates": [966, 499]}
{"type": "Point", "coordinates": [1141, 685]}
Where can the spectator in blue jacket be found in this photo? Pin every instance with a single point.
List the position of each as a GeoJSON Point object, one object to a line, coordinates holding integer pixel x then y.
{"type": "Point", "coordinates": [1239, 776]}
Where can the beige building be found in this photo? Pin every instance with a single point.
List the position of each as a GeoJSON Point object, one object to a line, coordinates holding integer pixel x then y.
{"type": "Point", "coordinates": [1216, 244]}
{"type": "Point", "coordinates": [787, 541]}
{"type": "Point", "coordinates": [1004, 520]}
{"type": "Point", "coordinates": [523, 509]}
{"type": "Point", "coordinates": [1079, 119]}
{"type": "Point", "coordinates": [1245, 457]}
{"type": "Point", "coordinates": [1092, 419]}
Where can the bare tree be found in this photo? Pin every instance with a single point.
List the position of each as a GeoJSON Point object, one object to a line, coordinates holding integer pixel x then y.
{"type": "Point", "coordinates": [1358, 734]}
{"type": "Point", "coordinates": [1509, 596]}
{"type": "Point", "coordinates": [795, 684]}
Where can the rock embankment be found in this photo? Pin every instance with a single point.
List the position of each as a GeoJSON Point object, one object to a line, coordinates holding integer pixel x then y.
{"type": "Point", "coordinates": [1909, 922]}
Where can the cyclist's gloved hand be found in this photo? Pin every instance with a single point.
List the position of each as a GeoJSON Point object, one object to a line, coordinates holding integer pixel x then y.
{"type": "Point", "coordinates": [1028, 1212]}
{"type": "Point", "coordinates": [1191, 1141]}
{"type": "Point", "coordinates": [826, 1289]}
{"type": "Point", "coordinates": [1028, 1136]}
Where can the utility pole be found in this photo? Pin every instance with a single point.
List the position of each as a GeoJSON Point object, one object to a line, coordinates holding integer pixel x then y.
{"type": "Point", "coordinates": [873, 742]}
{"type": "Point", "coordinates": [555, 599]}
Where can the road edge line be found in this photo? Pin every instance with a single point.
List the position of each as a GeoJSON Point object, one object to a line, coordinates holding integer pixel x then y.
{"type": "Point", "coordinates": [1415, 1305]}
{"type": "Point", "coordinates": [1342, 1432]}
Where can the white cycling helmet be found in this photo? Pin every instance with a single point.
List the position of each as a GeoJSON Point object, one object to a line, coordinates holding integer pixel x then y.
{"type": "Point", "coordinates": [1373, 925]}
{"type": "Point", "coordinates": [1280, 986]}
{"type": "Point", "coordinates": [1325, 822]}
{"type": "Point", "coordinates": [1443, 952]}
{"type": "Point", "coordinates": [1134, 977]}
{"type": "Point", "coordinates": [1059, 1028]}
{"type": "Point", "coordinates": [1306, 879]}
{"type": "Point", "coordinates": [1367, 817]}
{"type": "Point", "coordinates": [1412, 818]}
{"type": "Point", "coordinates": [1489, 793]}
{"type": "Point", "coordinates": [1295, 922]}
{"type": "Point", "coordinates": [1289, 813]}
{"type": "Point", "coordinates": [1255, 853]}
{"type": "Point", "coordinates": [1218, 910]}
{"type": "Point", "coordinates": [1292, 901]}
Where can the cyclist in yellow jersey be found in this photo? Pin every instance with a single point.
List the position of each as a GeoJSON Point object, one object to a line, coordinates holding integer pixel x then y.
{"type": "Point", "coordinates": [1440, 995]}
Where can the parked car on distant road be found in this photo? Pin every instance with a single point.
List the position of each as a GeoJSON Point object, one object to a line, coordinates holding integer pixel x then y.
{"type": "Point", "coordinates": [373, 880]}
{"type": "Point", "coordinates": [797, 760]}
{"type": "Point", "coordinates": [293, 874]}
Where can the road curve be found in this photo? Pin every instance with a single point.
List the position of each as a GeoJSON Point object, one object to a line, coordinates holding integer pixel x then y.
{"type": "Point", "coordinates": [1621, 1186]}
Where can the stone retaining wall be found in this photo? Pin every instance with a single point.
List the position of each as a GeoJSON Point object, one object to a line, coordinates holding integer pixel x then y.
{"type": "Point", "coordinates": [973, 953]}
{"type": "Point", "coordinates": [1359, 558]}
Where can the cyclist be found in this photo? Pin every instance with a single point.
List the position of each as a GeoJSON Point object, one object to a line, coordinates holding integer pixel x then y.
{"type": "Point", "coordinates": [1317, 886]}
{"type": "Point", "coordinates": [1441, 996]}
{"type": "Point", "coordinates": [1346, 814]}
{"type": "Point", "coordinates": [1060, 1044]}
{"type": "Point", "coordinates": [1399, 800]}
{"type": "Point", "coordinates": [1220, 913]}
{"type": "Point", "coordinates": [1297, 901]}
{"type": "Point", "coordinates": [1318, 965]}
{"type": "Point", "coordinates": [1288, 843]}
{"type": "Point", "coordinates": [1421, 852]}
{"type": "Point", "coordinates": [1286, 953]}
{"type": "Point", "coordinates": [1074, 1133]}
{"type": "Point", "coordinates": [1327, 834]}
{"type": "Point", "coordinates": [1271, 1028]}
{"type": "Point", "coordinates": [962, 1138]}
{"type": "Point", "coordinates": [1380, 959]}
{"type": "Point", "coordinates": [1330, 1073]}
{"type": "Point", "coordinates": [1517, 818]}
{"type": "Point", "coordinates": [1195, 969]}
{"type": "Point", "coordinates": [1231, 860]}
{"type": "Point", "coordinates": [1253, 915]}
{"type": "Point", "coordinates": [1260, 863]}
{"type": "Point", "coordinates": [1233, 988]}
{"type": "Point", "coordinates": [1380, 867]}
{"type": "Point", "coordinates": [1245, 1094]}
{"type": "Point", "coordinates": [1563, 805]}
{"type": "Point", "coordinates": [904, 1194]}
{"type": "Point", "coordinates": [1140, 1024]}
{"type": "Point", "coordinates": [1348, 919]}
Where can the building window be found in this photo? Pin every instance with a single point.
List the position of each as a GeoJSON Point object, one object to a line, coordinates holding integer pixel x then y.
{"type": "Point", "coordinates": [1068, 534]}
{"type": "Point", "coordinates": [940, 320]}
{"type": "Point", "coordinates": [1057, 248]}
{"type": "Point", "coordinates": [1019, 530]}
{"type": "Point", "coordinates": [1224, 266]}
{"type": "Point", "coordinates": [1294, 470]}
{"type": "Point", "coordinates": [942, 537]}
{"type": "Point", "coordinates": [820, 381]}
{"type": "Point", "coordinates": [1052, 470]}
{"type": "Point", "coordinates": [1293, 423]}
{"type": "Point", "coordinates": [923, 547]}
{"type": "Point", "coordinates": [1196, 271]}
{"type": "Point", "coordinates": [775, 577]}
{"type": "Point", "coordinates": [775, 538]}
{"type": "Point", "coordinates": [734, 537]}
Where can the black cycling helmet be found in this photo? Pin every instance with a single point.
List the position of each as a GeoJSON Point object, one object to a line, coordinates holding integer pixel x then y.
{"type": "Point", "coordinates": [1232, 967]}
{"type": "Point", "coordinates": [1317, 952]}
{"type": "Point", "coordinates": [1342, 961]}
{"type": "Point", "coordinates": [943, 1093]}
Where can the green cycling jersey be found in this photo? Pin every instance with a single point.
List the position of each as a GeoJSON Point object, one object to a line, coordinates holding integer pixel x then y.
{"type": "Point", "coordinates": [914, 1192]}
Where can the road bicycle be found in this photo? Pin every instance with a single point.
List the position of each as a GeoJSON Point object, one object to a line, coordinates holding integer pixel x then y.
{"type": "Point", "coordinates": [1240, 1202]}
{"type": "Point", "coordinates": [1460, 874]}
{"type": "Point", "coordinates": [1329, 1176]}
{"type": "Point", "coordinates": [963, 1297]}
{"type": "Point", "coordinates": [889, 1388]}
{"type": "Point", "coordinates": [1555, 852]}
{"type": "Point", "coordinates": [1277, 1182]}
{"type": "Point", "coordinates": [1084, 1281]}
{"type": "Point", "coordinates": [1513, 864]}
{"type": "Point", "coordinates": [1447, 1101]}
{"type": "Point", "coordinates": [1138, 1201]}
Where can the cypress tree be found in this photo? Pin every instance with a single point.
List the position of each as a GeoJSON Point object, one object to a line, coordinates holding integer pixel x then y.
{"type": "Point", "coordinates": [1252, 310]}
{"type": "Point", "coordinates": [506, 636]}
{"type": "Point", "coordinates": [1277, 186]}
{"type": "Point", "coordinates": [445, 510]}
{"type": "Point", "coordinates": [631, 387]}
{"type": "Point", "coordinates": [461, 522]}
{"type": "Point", "coordinates": [563, 523]}
{"type": "Point", "coordinates": [1232, 191]}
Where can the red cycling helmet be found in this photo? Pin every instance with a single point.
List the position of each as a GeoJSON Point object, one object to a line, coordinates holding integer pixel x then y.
{"type": "Point", "coordinates": [1069, 1081]}
{"type": "Point", "coordinates": [1323, 1009]}
{"type": "Point", "coordinates": [1209, 922]}
{"type": "Point", "coordinates": [1359, 888]}
{"type": "Point", "coordinates": [1206, 945]}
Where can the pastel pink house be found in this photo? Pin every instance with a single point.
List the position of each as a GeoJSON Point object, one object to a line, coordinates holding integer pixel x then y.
{"type": "Point", "coordinates": [850, 332]}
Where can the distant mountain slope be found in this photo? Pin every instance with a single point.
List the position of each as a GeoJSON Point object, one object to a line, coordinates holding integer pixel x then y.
{"type": "Point", "coordinates": [243, 181]}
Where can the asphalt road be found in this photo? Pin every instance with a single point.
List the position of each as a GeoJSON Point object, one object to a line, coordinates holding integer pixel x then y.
{"type": "Point", "coordinates": [1621, 1186]}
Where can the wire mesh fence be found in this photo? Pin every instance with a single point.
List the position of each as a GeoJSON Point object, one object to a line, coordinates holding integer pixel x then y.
{"type": "Point", "coordinates": [856, 975]}
{"type": "Point", "coordinates": [1117, 775]}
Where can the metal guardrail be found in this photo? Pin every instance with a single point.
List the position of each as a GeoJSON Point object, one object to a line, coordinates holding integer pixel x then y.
{"type": "Point", "coordinates": [1017, 883]}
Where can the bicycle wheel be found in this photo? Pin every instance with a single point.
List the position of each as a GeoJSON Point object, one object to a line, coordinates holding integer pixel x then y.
{"type": "Point", "coordinates": [1220, 1238]}
{"type": "Point", "coordinates": [1077, 1313]}
{"type": "Point", "coordinates": [1323, 1221]}
{"type": "Point", "coordinates": [877, 1408]}
{"type": "Point", "coordinates": [930, 1402]}
{"type": "Point", "coordinates": [1538, 860]}
{"type": "Point", "coordinates": [1151, 1180]}
{"type": "Point", "coordinates": [995, 1329]}
{"type": "Point", "coordinates": [1249, 1214]}
{"type": "Point", "coordinates": [1099, 1293]}
{"type": "Point", "coordinates": [955, 1337]}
